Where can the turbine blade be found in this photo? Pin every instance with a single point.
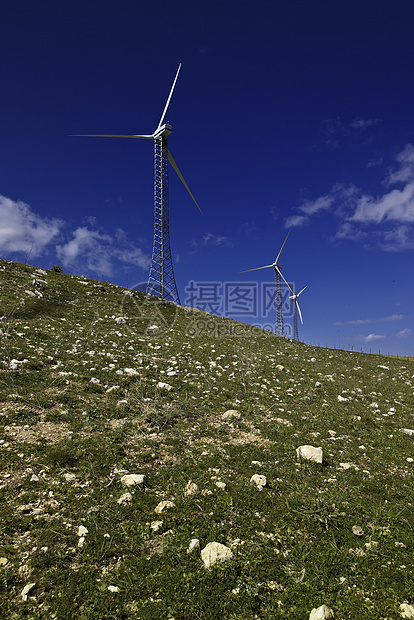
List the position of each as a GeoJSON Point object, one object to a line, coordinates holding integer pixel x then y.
{"type": "Point", "coordinates": [169, 99]}
{"type": "Point", "coordinates": [302, 290]}
{"type": "Point", "coordinates": [300, 313]}
{"type": "Point", "coordinates": [106, 135]}
{"type": "Point", "coordinates": [256, 269]}
{"type": "Point", "coordinates": [174, 165]}
{"type": "Point", "coordinates": [283, 277]}
{"type": "Point", "coordinates": [281, 249]}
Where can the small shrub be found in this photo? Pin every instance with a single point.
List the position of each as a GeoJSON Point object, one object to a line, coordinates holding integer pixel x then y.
{"type": "Point", "coordinates": [57, 269]}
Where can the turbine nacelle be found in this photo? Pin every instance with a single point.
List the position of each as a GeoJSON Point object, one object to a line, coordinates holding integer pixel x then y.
{"type": "Point", "coordinates": [162, 132]}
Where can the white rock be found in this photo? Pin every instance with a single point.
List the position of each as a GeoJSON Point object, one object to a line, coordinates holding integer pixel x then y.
{"type": "Point", "coordinates": [215, 553]}
{"type": "Point", "coordinates": [120, 320]}
{"type": "Point", "coordinates": [164, 386]}
{"type": "Point", "coordinates": [310, 453]}
{"type": "Point", "coordinates": [341, 399]}
{"type": "Point", "coordinates": [129, 480]}
{"type": "Point", "coordinates": [259, 480]}
{"type": "Point", "coordinates": [321, 613]}
{"type": "Point", "coordinates": [82, 530]}
{"type": "Point", "coordinates": [194, 544]}
{"type": "Point", "coordinates": [280, 367]}
{"type": "Point", "coordinates": [231, 413]}
{"type": "Point", "coordinates": [34, 478]}
{"type": "Point", "coordinates": [156, 525]}
{"type": "Point", "coordinates": [190, 489]}
{"type": "Point", "coordinates": [406, 610]}
{"type": "Point", "coordinates": [131, 372]}
{"type": "Point", "coordinates": [113, 589]}
{"type": "Point", "coordinates": [220, 485]}
{"type": "Point", "coordinates": [69, 477]}
{"type": "Point", "coordinates": [165, 505]}
{"type": "Point", "coordinates": [27, 588]}
{"type": "Point", "coordinates": [407, 431]}
{"type": "Point", "coordinates": [126, 498]}
{"type": "Point", "coordinates": [81, 542]}
{"type": "Point", "coordinates": [357, 530]}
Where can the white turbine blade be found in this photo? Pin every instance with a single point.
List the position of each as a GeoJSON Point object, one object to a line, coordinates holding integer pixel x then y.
{"type": "Point", "coordinates": [281, 249]}
{"type": "Point", "coordinates": [283, 277]}
{"type": "Point", "coordinates": [169, 99]}
{"type": "Point", "coordinates": [256, 269]}
{"type": "Point", "coordinates": [302, 290]}
{"type": "Point", "coordinates": [174, 165]}
{"type": "Point", "coordinates": [300, 313]}
{"type": "Point", "coordinates": [106, 135]}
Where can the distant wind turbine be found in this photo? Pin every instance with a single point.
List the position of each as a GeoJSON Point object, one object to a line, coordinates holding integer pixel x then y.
{"type": "Point", "coordinates": [161, 280]}
{"type": "Point", "coordinates": [296, 310]}
{"type": "Point", "coordinates": [279, 327]}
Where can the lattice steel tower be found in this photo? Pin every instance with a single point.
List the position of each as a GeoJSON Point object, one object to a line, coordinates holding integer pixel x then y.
{"type": "Point", "coordinates": [161, 280]}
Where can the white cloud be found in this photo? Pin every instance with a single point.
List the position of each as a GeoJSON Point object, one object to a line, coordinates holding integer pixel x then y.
{"type": "Point", "coordinates": [404, 333]}
{"type": "Point", "coordinates": [210, 239]}
{"type": "Point", "coordinates": [309, 208]}
{"type": "Point", "coordinates": [399, 238]}
{"type": "Point", "coordinates": [96, 251]}
{"type": "Point", "coordinates": [405, 172]}
{"type": "Point", "coordinates": [355, 322]}
{"type": "Point", "coordinates": [24, 231]}
{"type": "Point", "coordinates": [373, 337]}
{"type": "Point", "coordinates": [393, 317]}
{"type": "Point", "coordinates": [397, 205]}
{"type": "Point", "coordinates": [356, 211]}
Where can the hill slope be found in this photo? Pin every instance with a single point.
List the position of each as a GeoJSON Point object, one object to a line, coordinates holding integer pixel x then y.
{"type": "Point", "coordinates": [98, 382]}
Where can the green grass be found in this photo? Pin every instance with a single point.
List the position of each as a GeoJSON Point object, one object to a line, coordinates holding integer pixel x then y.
{"type": "Point", "coordinates": [74, 419]}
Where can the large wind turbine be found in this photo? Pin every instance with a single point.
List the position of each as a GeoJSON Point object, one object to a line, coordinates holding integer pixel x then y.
{"type": "Point", "coordinates": [279, 328]}
{"type": "Point", "coordinates": [161, 280]}
{"type": "Point", "coordinates": [296, 310]}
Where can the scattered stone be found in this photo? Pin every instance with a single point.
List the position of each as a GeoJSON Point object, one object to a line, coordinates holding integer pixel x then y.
{"type": "Point", "coordinates": [164, 505]}
{"type": "Point", "coordinates": [164, 386]}
{"type": "Point", "coordinates": [27, 588]}
{"type": "Point", "coordinates": [341, 399]}
{"type": "Point", "coordinates": [215, 553]}
{"type": "Point", "coordinates": [190, 489]}
{"type": "Point", "coordinates": [131, 372]}
{"type": "Point", "coordinates": [231, 413]}
{"type": "Point", "coordinates": [120, 320]}
{"type": "Point", "coordinates": [259, 480]}
{"type": "Point", "coordinates": [156, 525]}
{"type": "Point", "coordinates": [129, 480]}
{"type": "Point", "coordinates": [82, 530]}
{"type": "Point", "coordinates": [34, 478]}
{"type": "Point", "coordinates": [406, 610]}
{"type": "Point", "coordinates": [81, 542]}
{"type": "Point", "coordinates": [357, 530]}
{"type": "Point", "coordinates": [194, 544]}
{"type": "Point", "coordinates": [126, 498]}
{"type": "Point", "coordinates": [407, 431]}
{"type": "Point", "coordinates": [310, 453]}
{"type": "Point", "coordinates": [113, 589]}
{"type": "Point", "coordinates": [321, 613]}
{"type": "Point", "coordinates": [69, 477]}
{"type": "Point", "coordinates": [280, 367]}
{"type": "Point", "coordinates": [4, 561]}
{"type": "Point", "coordinates": [95, 380]}
{"type": "Point", "coordinates": [220, 485]}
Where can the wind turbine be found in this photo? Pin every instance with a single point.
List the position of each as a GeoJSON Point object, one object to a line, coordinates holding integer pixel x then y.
{"type": "Point", "coordinates": [161, 280]}
{"type": "Point", "coordinates": [279, 328]}
{"type": "Point", "coordinates": [296, 310]}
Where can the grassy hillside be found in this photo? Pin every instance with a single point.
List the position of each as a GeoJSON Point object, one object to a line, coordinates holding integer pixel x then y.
{"type": "Point", "coordinates": [98, 382]}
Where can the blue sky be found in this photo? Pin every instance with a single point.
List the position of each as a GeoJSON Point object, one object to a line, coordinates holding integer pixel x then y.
{"type": "Point", "coordinates": [284, 114]}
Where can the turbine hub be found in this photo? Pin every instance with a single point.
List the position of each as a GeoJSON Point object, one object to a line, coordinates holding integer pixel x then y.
{"type": "Point", "coordinates": [163, 131]}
